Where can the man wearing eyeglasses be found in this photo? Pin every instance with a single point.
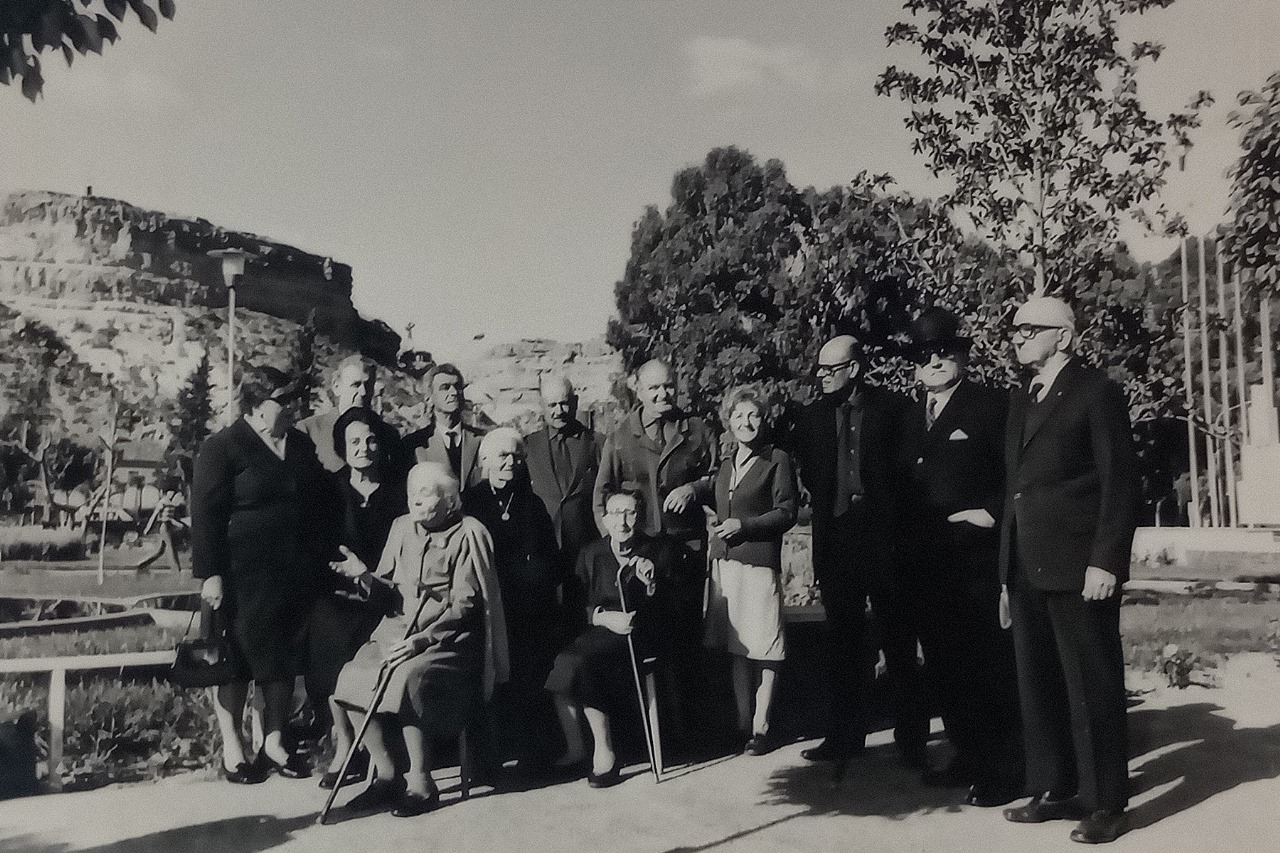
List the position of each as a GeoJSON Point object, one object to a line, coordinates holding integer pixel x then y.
{"type": "Point", "coordinates": [1072, 504]}
{"type": "Point", "coordinates": [844, 443]}
{"type": "Point", "coordinates": [950, 478]}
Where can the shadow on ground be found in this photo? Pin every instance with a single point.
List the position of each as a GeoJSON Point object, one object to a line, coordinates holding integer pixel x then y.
{"type": "Point", "coordinates": [249, 834]}
{"type": "Point", "coordinates": [1197, 753]}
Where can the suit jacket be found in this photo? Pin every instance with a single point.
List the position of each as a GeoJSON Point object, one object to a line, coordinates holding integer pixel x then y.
{"type": "Point", "coordinates": [957, 465]}
{"type": "Point", "coordinates": [629, 455]}
{"type": "Point", "coordinates": [1073, 493]}
{"type": "Point", "coordinates": [765, 500]}
{"type": "Point", "coordinates": [812, 443]}
{"type": "Point", "coordinates": [424, 446]}
{"type": "Point", "coordinates": [570, 508]}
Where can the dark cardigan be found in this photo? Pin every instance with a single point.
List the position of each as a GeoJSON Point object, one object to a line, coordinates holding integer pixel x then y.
{"type": "Point", "coordinates": [765, 501]}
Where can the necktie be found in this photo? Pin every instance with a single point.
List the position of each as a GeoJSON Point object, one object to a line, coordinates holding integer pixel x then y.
{"type": "Point", "coordinates": [560, 459]}
{"type": "Point", "coordinates": [454, 448]}
{"type": "Point", "coordinates": [931, 413]}
{"type": "Point", "coordinates": [1037, 388]}
{"type": "Point", "coordinates": [844, 478]}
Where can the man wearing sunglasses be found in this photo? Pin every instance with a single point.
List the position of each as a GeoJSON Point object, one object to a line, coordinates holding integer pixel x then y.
{"type": "Point", "coordinates": [1072, 504]}
{"type": "Point", "coordinates": [844, 443]}
{"type": "Point", "coordinates": [950, 479]}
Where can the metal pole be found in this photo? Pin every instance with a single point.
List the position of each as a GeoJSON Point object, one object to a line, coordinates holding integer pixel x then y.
{"type": "Point", "coordinates": [231, 345]}
{"type": "Point", "coordinates": [1206, 385]}
{"type": "Point", "coordinates": [1188, 387]}
{"type": "Point", "coordinates": [1242, 388]}
{"type": "Point", "coordinates": [1224, 384]}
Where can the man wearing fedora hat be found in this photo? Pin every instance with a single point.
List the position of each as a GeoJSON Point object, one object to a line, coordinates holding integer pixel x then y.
{"type": "Point", "coordinates": [950, 479]}
{"type": "Point", "coordinates": [1072, 507]}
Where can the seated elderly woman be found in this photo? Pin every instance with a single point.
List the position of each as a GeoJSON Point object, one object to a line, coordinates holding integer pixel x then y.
{"type": "Point", "coordinates": [437, 566]}
{"type": "Point", "coordinates": [592, 677]}
{"type": "Point", "coordinates": [527, 562]}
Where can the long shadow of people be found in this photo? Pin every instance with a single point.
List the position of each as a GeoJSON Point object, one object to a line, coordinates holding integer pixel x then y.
{"type": "Point", "coordinates": [249, 834]}
{"type": "Point", "coordinates": [1198, 753]}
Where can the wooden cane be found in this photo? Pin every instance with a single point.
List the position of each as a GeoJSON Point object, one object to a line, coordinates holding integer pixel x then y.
{"type": "Point", "coordinates": [380, 686]}
{"type": "Point", "coordinates": [635, 672]}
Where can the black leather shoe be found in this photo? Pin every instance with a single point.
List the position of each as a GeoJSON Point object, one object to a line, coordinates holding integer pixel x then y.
{"type": "Point", "coordinates": [244, 774]}
{"type": "Point", "coordinates": [295, 767]}
{"type": "Point", "coordinates": [988, 795]}
{"type": "Point", "coordinates": [412, 804]}
{"type": "Point", "coordinates": [831, 749]}
{"type": "Point", "coordinates": [607, 779]}
{"type": "Point", "coordinates": [380, 794]}
{"type": "Point", "coordinates": [758, 745]}
{"type": "Point", "coordinates": [951, 776]}
{"type": "Point", "coordinates": [914, 757]}
{"type": "Point", "coordinates": [1043, 807]}
{"type": "Point", "coordinates": [1101, 827]}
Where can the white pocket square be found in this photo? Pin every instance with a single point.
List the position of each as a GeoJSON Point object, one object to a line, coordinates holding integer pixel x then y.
{"type": "Point", "coordinates": [958, 435]}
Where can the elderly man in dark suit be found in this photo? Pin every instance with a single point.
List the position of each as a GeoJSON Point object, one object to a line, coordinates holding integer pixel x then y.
{"type": "Point", "coordinates": [448, 439]}
{"type": "Point", "coordinates": [563, 458]}
{"type": "Point", "coordinates": [1073, 502]}
{"type": "Point", "coordinates": [668, 455]}
{"type": "Point", "coordinates": [352, 385]}
{"type": "Point", "coordinates": [844, 443]}
{"type": "Point", "coordinates": [950, 477]}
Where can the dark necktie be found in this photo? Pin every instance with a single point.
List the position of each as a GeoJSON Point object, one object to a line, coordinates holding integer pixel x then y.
{"type": "Point", "coordinates": [454, 448]}
{"type": "Point", "coordinates": [560, 460]}
{"type": "Point", "coordinates": [931, 413]}
{"type": "Point", "coordinates": [1036, 388]}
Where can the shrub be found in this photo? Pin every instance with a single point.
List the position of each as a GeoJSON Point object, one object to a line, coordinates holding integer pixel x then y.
{"type": "Point", "coordinates": [121, 730]}
{"type": "Point", "coordinates": [31, 542]}
{"type": "Point", "coordinates": [105, 641]}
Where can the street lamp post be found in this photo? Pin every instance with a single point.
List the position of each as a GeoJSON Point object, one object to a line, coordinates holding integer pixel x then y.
{"type": "Point", "coordinates": [233, 262]}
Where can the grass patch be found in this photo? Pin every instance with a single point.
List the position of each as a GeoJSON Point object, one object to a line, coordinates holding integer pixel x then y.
{"type": "Point", "coordinates": [50, 584]}
{"type": "Point", "coordinates": [33, 542]}
{"type": "Point", "coordinates": [103, 641]}
{"type": "Point", "coordinates": [1210, 628]}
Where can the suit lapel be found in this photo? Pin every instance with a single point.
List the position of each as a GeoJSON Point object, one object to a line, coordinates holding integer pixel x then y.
{"type": "Point", "coordinates": [540, 457]}
{"type": "Point", "coordinates": [675, 442]}
{"type": "Point", "coordinates": [577, 446]}
{"type": "Point", "coordinates": [1038, 415]}
{"type": "Point", "coordinates": [470, 447]}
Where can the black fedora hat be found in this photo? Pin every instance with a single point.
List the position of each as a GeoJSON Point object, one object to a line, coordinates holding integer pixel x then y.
{"type": "Point", "coordinates": [936, 330]}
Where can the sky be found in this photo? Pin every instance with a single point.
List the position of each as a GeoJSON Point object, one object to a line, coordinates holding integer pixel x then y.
{"type": "Point", "coordinates": [480, 164]}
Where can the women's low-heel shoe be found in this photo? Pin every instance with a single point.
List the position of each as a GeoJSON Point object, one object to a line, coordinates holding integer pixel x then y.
{"type": "Point", "coordinates": [607, 779]}
{"type": "Point", "coordinates": [293, 768]}
{"type": "Point", "coordinates": [414, 804]}
{"type": "Point", "coordinates": [244, 774]}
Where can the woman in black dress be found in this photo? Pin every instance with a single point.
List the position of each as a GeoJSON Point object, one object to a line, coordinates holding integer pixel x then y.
{"type": "Point", "coordinates": [261, 552]}
{"type": "Point", "coordinates": [527, 561]}
{"type": "Point", "coordinates": [368, 499]}
{"type": "Point", "coordinates": [592, 677]}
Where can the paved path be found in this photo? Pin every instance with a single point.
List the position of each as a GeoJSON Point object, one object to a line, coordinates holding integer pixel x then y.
{"type": "Point", "coordinates": [1206, 777]}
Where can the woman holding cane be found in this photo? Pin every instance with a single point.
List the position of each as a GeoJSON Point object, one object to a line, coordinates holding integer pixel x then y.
{"type": "Point", "coordinates": [593, 677]}
{"type": "Point", "coordinates": [437, 563]}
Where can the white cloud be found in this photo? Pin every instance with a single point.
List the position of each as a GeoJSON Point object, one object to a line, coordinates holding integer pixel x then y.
{"type": "Point", "coordinates": [719, 65]}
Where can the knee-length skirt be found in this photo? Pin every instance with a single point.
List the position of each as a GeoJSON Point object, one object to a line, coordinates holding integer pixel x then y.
{"type": "Point", "coordinates": [744, 611]}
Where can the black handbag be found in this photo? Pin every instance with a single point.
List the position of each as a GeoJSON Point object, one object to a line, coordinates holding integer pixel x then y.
{"type": "Point", "coordinates": [206, 660]}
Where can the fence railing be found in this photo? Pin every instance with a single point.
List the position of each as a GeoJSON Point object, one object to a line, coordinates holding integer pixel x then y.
{"type": "Point", "coordinates": [58, 667]}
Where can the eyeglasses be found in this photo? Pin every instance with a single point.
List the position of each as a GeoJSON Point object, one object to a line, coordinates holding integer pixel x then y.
{"type": "Point", "coordinates": [1030, 330]}
{"type": "Point", "coordinates": [624, 514]}
{"type": "Point", "coordinates": [832, 369]}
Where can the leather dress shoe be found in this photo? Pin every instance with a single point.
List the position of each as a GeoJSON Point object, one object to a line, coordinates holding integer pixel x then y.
{"type": "Point", "coordinates": [1101, 827]}
{"type": "Point", "coordinates": [413, 804]}
{"type": "Point", "coordinates": [1046, 806]}
{"type": "Point", "coordinates": [988, 795]}
{"type": "Point", "coordinates": [914, 757]}
{"type": "Point", "coordinates": [379, 793]}
{"type": "Point", "coordinates": [244, 774]}
{"type": "Point", "coordinates": [758, 745]}
{"type": "Point", "coordinates": [831, 749]}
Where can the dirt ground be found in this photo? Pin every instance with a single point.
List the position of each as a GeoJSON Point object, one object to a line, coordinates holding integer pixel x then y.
{"type": "Point", "coordinates": [1205, 769]}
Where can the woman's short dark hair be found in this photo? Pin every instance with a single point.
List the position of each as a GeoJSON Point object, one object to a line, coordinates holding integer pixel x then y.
{"type": "Point", "coordinates": [628, 490]}
{"type": "Point", "coordinates": [259, 384]}
{"type": "Point", "coordinates": [361, 415]}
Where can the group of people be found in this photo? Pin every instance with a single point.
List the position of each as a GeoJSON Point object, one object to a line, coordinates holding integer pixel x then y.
{"type": "Point", "coordinates": [460, 580]}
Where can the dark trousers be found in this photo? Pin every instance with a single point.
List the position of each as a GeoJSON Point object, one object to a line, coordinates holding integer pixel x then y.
{"type": "Point", "coordinates": [1071, 680]}
{"type": "Point", "coordinates": [969, 659]}
{"type": "Point", "coordinates": [843, 566]}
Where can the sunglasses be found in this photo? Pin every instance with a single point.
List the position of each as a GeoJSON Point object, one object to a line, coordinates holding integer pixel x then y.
{"type": "Point", "coordinates": [830, 369]}
{"type": "Point", "coordinates": [923, 356]}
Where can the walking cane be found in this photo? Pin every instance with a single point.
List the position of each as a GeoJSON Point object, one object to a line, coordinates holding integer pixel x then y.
{"type": "Point", "coordinates": [635, 672]}
{"type": "Point", "coordinates": [380, 686]}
